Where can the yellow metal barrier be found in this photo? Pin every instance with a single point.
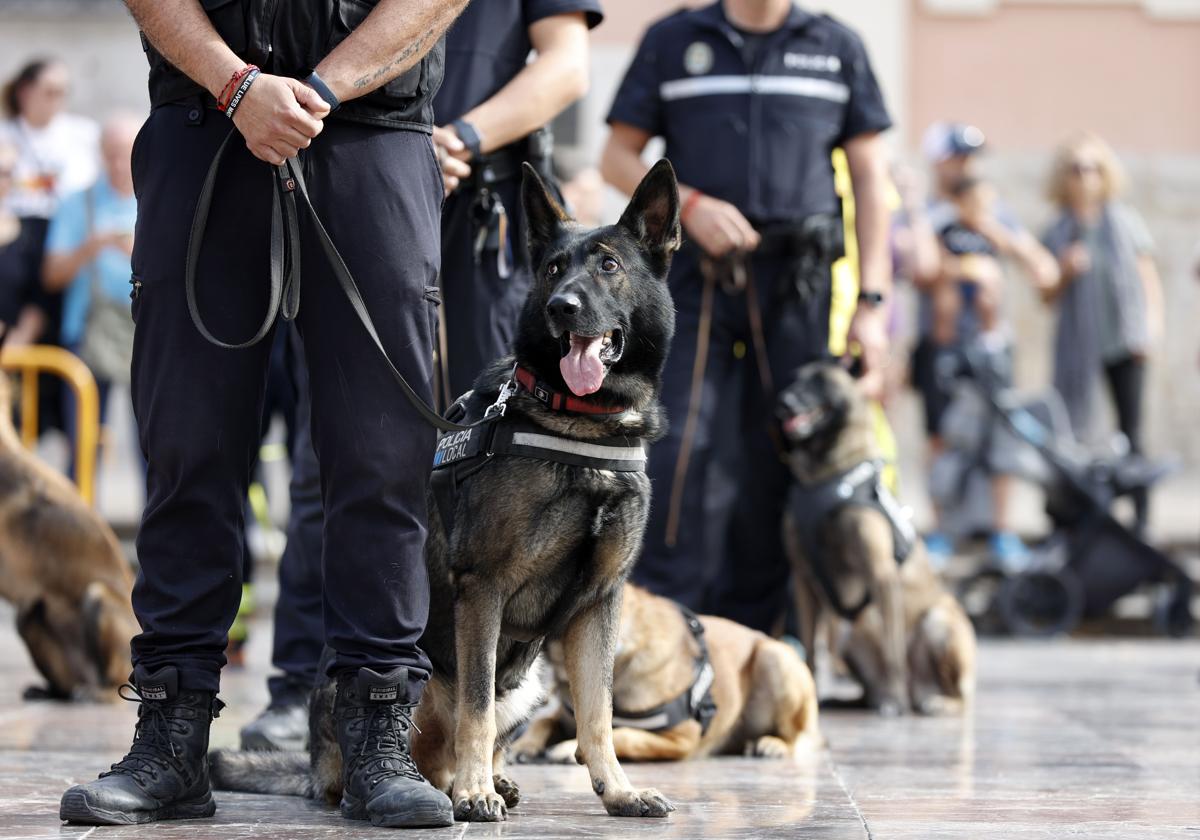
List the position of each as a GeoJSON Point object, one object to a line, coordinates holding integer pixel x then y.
{"type": "Point", "coordinates": [38, 358]}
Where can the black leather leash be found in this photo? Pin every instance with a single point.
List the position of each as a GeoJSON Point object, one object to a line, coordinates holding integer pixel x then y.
{"type": "Point", "coordinates": [285, 275]}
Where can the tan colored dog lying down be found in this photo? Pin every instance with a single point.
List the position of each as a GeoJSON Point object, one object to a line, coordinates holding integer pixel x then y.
{"type": "Point", "coordinates": [63, 569]}
{"type": "Point", "coordinates": [685, 688]}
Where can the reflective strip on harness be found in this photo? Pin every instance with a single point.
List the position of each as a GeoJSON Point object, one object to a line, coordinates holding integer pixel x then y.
{"type": "Point", "coordinates": [635, 455]}
{"type": "Point", "coordinates": [514, 437]}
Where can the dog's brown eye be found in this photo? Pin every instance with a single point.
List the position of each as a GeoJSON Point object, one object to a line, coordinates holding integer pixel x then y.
{"type": "Point", "coordinates": [609, 264]}
{"type": "Point", "coordinates": [552, 270]}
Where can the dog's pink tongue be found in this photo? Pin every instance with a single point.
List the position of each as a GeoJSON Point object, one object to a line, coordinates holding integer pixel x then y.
{"type": "Point", "coordinates": [581, 368]}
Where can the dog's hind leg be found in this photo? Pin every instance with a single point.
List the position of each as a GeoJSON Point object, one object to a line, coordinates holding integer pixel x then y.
{"type": "Point", "coordinates": [478, 614]}
{"type": "Point", "coordinates": [433, 743]}
{"type": "Point", "coordinates": [673, 745]}
{"type": "Point", "coordinates": [782, 706]}
{"type": "Point", "coordinates": [505, 786]}
{"type": "Point", "coordinates": [590, 644]}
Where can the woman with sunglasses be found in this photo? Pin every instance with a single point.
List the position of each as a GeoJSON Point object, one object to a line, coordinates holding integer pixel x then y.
{"type": "Point", "coordinates": [1109, 301]}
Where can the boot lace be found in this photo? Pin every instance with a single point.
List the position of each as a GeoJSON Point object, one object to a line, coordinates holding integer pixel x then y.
{"type": "Point", "coordinates": [384, 752]}
{"type": "Point", "coordinates": [153, 748]}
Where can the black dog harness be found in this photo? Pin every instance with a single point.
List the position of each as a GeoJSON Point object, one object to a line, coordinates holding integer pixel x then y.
{"type": "Point", "coordinates": [812, 505]}
{"type": "Point", "coordinates": [461, 454]}
{"type": "Point", "coordinates": [695, 703]}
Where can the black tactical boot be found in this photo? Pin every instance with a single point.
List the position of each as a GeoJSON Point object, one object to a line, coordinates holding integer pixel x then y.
{"type": "Point", "coordinates": [165, 774]}
{"type": "Point", "coordinates": [374, 728]}
{"type": "Point", "coordinates": [283, 725]}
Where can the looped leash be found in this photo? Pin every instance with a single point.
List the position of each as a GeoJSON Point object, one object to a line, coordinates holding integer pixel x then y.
{"type": "Point", "coordinates": [284, 295]}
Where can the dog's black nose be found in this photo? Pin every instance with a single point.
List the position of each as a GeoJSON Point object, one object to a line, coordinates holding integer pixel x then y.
{"type": "Point", "coordinates": [564, 304]}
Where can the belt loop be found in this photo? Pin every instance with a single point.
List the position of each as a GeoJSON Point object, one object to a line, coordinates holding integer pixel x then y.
{"type": "Point", "coordinates": [195, 110]}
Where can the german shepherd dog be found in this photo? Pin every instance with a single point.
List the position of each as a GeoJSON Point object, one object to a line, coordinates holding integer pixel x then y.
{"type": "Point", "coordinates": [766, 702]}
{"type": "Point", "coordinates": [538, 550]}
{"type": "Point", "coordinates": [63, 569]}
{"type": "Point", "coordinates": [912, 645]}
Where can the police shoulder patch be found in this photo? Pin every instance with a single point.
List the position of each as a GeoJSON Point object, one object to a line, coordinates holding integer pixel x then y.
{"type": "Point", "coordinates": [698, 58]}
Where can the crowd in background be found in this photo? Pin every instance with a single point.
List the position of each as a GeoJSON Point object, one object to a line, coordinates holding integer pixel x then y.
{"type": "Point", "coordinates": [67, 213]}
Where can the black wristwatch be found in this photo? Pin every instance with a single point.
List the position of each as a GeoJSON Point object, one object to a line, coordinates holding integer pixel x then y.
{"type": "Point", "coordinates": [872, 299]}
{"type": "Point", "coordinates": [318, 84]}
{"type": "Point", "coordinates": [470, 137]}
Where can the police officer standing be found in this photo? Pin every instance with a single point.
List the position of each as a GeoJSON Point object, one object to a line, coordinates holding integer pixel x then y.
{"type": "Point", "coordinates": [360, 124]}
{"type": "Point", "coordinates": [751, 97]}
{"type": "Point", "coordinates": [493, 103]}
{"type": "Point", "coordinates": [492, 109]}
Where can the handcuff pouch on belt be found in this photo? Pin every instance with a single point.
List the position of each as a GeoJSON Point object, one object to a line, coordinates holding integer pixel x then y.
{"type": "Point", "coordinates": [808, 248]}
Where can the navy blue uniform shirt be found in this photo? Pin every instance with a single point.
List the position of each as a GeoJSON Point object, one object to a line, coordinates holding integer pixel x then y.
{"type": "Point", "coordinates": [489, 44]}
{"type": "Point", "coordinates": [759, 137]}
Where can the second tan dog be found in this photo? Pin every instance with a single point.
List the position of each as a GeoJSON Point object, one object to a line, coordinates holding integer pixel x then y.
{"type": "Point", "coordinates": [909, 644]}
{"type": "Point", "coordinates": [764, 696]}
{"type": "Point", "coordinates": [63, 569]}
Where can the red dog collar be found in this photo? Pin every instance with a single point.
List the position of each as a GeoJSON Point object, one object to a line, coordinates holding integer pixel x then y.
{"type": "Point", "coordinates": [557, 400]}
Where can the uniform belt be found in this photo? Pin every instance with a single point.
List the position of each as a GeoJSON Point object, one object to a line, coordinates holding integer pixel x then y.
{"type": "Point", "coordinates": [820, 235]}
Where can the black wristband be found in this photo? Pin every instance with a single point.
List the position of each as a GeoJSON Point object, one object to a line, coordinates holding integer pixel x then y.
{"type": "Point", "coordinates": [873, 298]}
{"type": "Point", "coordinates": [318, 84]}
{"type": "Point", "coordinates": [470, 137]}
{"type": "Point", "coordinates": [236, 99]}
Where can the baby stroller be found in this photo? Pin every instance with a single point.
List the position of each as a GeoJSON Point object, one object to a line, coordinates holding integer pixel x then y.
{"type": "Point", "coordinates": [1090, 559]}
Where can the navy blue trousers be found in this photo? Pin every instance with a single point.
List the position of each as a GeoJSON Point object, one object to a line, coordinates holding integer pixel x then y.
{"type": "Point", "coordinates": [735, 567]}
{"type": "Point", "coordinates": [199, 407]}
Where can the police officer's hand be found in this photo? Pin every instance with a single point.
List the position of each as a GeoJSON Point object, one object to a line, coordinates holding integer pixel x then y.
{"type": "Point", "coordinates": [279, 116]}
{"type": "Point", "coordinates": [718, 227]}
{"type": "Point", "coordinates": [452, 155]}
{"type": "Point", "coordinates": [868, 329]}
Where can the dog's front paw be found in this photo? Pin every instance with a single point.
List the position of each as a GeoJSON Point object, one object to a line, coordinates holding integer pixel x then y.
{"type": "Point", "coordinates": [637, 803]}
{"type": "Point", "coordinates": [564, 752]}
{"type": "Point", "coordinates": [768, 746]}
{"type": "Point", "coordinates": [480, 807]}
{"type": "Point", "coordinates": [507, 789]}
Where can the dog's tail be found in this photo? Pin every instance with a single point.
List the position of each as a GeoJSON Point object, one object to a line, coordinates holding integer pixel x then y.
{"type": "Point", "coordinates": [277, 773]}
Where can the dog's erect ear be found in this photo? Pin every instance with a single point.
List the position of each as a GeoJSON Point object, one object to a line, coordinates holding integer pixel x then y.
{"type": "Point", "coordinates": [653, 212]}
{"type": "Point", "coordinates": [544, 217]}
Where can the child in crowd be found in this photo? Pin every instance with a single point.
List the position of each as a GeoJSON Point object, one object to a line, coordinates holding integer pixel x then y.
{"type": "Point", "coordinates": [966, 303]}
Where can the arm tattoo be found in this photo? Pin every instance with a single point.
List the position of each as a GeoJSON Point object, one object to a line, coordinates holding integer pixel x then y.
{"type": "Point", "coordinates": [401, 57]}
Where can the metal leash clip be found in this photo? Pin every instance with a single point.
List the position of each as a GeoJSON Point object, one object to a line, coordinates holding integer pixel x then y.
{"type": "Point", "coordinates": [496, 410]}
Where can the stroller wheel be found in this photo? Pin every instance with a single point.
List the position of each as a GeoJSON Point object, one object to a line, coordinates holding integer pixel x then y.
{"type": "Point", "coordinates": [979, 596]}
{"type": "Point", "coordinates": [1041, 603]}
{"type": "Point", "coordinates": [1173, 614]}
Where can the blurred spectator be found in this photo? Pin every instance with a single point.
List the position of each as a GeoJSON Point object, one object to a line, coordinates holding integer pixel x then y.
{"type": "Point", "coordinates": [1110, 307]}
{"type": "Point", "coordinates": [20, 293]}
{"type": "Point", "coordinates": [960, 291]}
{"type": "Point", "coordinates": [87, 258]}
{"type": "Point", "coordinates": [56, 155]}
{"type": "Point", "coordinates": [56, 151]}
{"type": "Point", "coordinates": [966, 301]}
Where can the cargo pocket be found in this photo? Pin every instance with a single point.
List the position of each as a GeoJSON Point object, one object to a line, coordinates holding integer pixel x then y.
{"type": "Point", "coordinates": [346, 18]}
{"type": "Point", "coordinates": [229, 19]}
{"type": "Point", "coordinates": [433, 297]}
